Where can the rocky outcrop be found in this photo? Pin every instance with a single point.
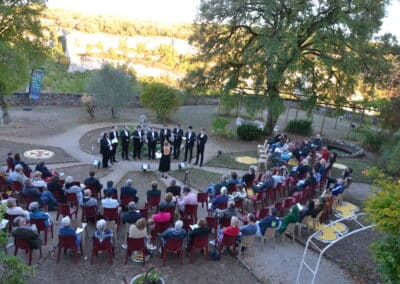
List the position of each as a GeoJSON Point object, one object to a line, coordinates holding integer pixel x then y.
{"type": "Point", "coordinates": [354, 151]}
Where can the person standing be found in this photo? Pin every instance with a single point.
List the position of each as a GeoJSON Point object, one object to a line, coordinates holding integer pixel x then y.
{"type": "Point", "coordinates": [177, 133]}
{"type": "Point", "coordinates": [114, 142]}
{"type": "Point", "coordinates": [105, 149]}
{"type": "Point", "coordinates": [125, 137]}
{"type": "Point", "coordinates": [190, 137]}
{"type": "Point", "coordinates": [201, 143]}
{"type": "Point", "coordinates": [152, 137]}
{"type": "Point", "coordinates": [165, 161]}
{"type": "Point", "coordinates": [165, 134]}
{"type": "Point", "coordinates": [138, 135]}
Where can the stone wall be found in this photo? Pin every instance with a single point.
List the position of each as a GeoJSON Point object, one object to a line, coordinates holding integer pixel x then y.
{"type": "Point", "coordinates": [355, 150]}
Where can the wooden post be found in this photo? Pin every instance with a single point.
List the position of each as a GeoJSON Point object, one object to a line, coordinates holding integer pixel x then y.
{"type": "Point", "coordinates": [287, 115]}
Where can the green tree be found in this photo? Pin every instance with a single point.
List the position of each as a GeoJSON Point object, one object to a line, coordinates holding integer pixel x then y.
{"type": "Point", "coordinates": [112, 87]}
{"type": "Point", "coordinates": [260, 45]}
{"type": "Point", "coordinates": [160, 98]}
{"type": "Point", "coordinates": [20, 48]}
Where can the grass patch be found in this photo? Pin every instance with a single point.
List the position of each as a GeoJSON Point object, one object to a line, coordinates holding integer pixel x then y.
{"type": "Point", "coordinates": [228, 160]}
{"type": "Point", "coordinates": [198, 179]}
{"type": "Point", "coordinates": [357, 165]}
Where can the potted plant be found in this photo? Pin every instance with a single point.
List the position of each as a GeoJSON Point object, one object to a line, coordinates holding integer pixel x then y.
{"type": "Point", "coordinates": [152, 276]}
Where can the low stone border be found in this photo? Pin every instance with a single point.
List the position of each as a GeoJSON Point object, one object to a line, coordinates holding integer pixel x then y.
{"type": "Point", "coordinates": [355, 150]}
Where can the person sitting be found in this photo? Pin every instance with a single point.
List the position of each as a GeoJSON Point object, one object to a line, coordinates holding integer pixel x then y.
{"type": "Point", "coordinates": [153, 192]}
{"type": "Point", "coordinates": [161, 217]}
{"type": "Point", "coordinates": [232, 230]}
{"type": "Point", "coordinates": [30, 191]}
{"type": "Point", "coordinates": [173, 188]}
{"type": "Point", "coordinates": [189, 198]}
{"type": "Point", "coordinates": [67, 231]}
{"type": "Point", "coordinates": [292, 217]}
{"type": "Point", "coordinates": [302, 184]}
{"type": "Point", "coordinates": [101, 232]}
{"type": "Point", "coordinates": [17, 159]}
{"type": "Point", "coordinates": [109, 202]}
{"type": "Point", "coordinates": [201, 230]}
{"type": "Point", "coordinates": [249, 177]}
{"type": "Point", "coordinates": [338, 188]}
{"type": "Point", "coordinates": [46, 197]}
{"type": "Point", "coordinates": [10, 163]}
{"type": "Point", "coordinates": [138, 229]}
{"type": "Point", "coordinates": [41, 167]}
{"type": "Point", "coordinates": [220, 199]}
{"type": "Point", "coordinates": [268, 222]}
{"type": "Point", "coordinates": [128, 190]}
{"type": "Point", "coordinates": [278, 177]}
{"type": "Point", "coordinates": [168, 201]}
{"type": "Point", "coordinates": [37, 180]}
{"type": "Point", "coordinates": [307, 209]}
{"type": "Point", "coordinates": [17, 175]}
{"type": "Point", "coordinates": [88, 200]}
{"type": "Point", "coordinates": [70, 187]}
{"type": "Point", "coordinates": [317, 142]}
{"type": "Point", "coordinates": [215, 189]}
{"type": "Point", "coordinates": [345, 174]}
{"type": "Point", "coordinates": [132, 215]}
{"type": "Point", "coordinates": [323, 168]}
{"type": "Point", "coordinates": [250, 229]}
{"type": "Point", "coordinates": [176, 233]}
{"type": "Point", "coordinates": [55, 187]}
{"type": "Point", "coordinates": [36, 214]}
{"type": "Point", "coordinates": [233, 180]}
{"type": "Point", "coordinates": [23, 232]}
{"type": "Point", "coordinates": [110, 189]}
{"type": "Point", "coordinates": [228, 212]}
{"type": "Point", "coordinates": [91, 180]}
{"type": "Point", "coordinates": [268, 182]}
{"type": "Point", "coordinates": [239, 194]}
{"type": "Point", "coordinates": [14, 210]}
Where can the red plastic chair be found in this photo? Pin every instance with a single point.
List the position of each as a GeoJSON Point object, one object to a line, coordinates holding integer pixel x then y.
{"type": "Point", "coordinates": [10, 166]}
{"type": "Point", "coordinates": [77, 183]}
{"type": "Point", "coordinates": [10, 219]}
{"type": "Point", "coordinates": [231, 188]}
{"type": "Point", "coordinates": [72, 198]}
{"type": "Point", "coordinates": [257, 198]}
{"type": "Point", "coordinates": [228, 241]}
{"type": "Point", "coordinates": [135, 245]}
{"type": "Point", "coordinates": [65, 210]}
{"type": "Point", "coordinates": [222, 206]}
{"type": "Point", "coordinates": [153, 202]}
{"type": "Point", "coordinates": [68, 242]}
{"type": "Point", "coordinates": [16, 187]}
{"type": "Point", "coordinates": [170, 210]}
{"type": "Point", "coordinates": [89, 212]}
{"type": "Point", "coordinates": [298, 196]}
{"type": "Point", "coordinates": [61, 182]}
{"type": "Point", "coordinates": [202, 197]}
{"type": "Point", "coordinates": [57, 195]}
{"type": "Point", "coordinates": [26, 172]}
{"type": "Point", "coordinates": [279, 207]}
{"type": "Point", "coordinates": [288, 202]}
{"type": "Point", "coordinates": [42, 227]}
{"type": "Point", "coordinates": [239, 205]}
{"type": "Point", "coordinates": [225, 222]}
{"type": "Point", "coordinates": [125, 199]}
{"type": "Point", "coordinates": [172, 246]}
{"type": "Point", "coordinates": [262, 213]}
{"type": "Point", "coordinates": [198, 243]}
{"type": "Point", "coordinates": [24, 244]}
{"type": "Point", "coordinates": [111, 214]}
{"type": "Point", "coordinates": [270, 195]}
{"type": "Point", "coordinates": [27, 199]}
{"type": "Point", "coordinates": [96, 193]}
{"type": "Point", "coordinates": [187, 222]}
{"type": "Point", "coordinates": [158, 229]}
{"type": "Point", "coordinates": [191, 211]}
{"type": "Point", "coordinates": [212, 223]}
{"type": "Point", "coordinates": [105, 245]}
{"type": "Point", "coordinates": [144, 212]}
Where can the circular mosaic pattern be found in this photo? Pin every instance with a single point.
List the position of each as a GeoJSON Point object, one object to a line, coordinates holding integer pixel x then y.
{"type": "Point", "coordinates": [246, 160]}
{"type": "Point", "coordinates": [38, 154]}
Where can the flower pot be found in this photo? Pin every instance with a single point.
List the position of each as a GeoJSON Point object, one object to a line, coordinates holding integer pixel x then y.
{"type": "Point", "coordinates": [139, 275]}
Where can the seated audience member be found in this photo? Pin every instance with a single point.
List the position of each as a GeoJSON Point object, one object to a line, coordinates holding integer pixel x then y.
{"type": "Point", "coordinates": [268, 222]}
{"type": "Point", "coordinates": [338, 188]}
{"type": "Point", "coordinates": [215, 189]}
{"type": "Point", "coordinates": [249, 177]}
{"type": "Point", "coordinates": [18, 161]}
{"type": "Point", "coordinates": [232, 230]}
{"type": "Point", "coordinates": [302, 184]}
{"type": "Point", "coordinates": [153, 192]}
{"type": "Point", "coordinates": [161, 217]}
{"type": "Point", "coordinates": [228, 212]}
{"type": "Point", "coordinates": [189, 198]}
{"type": "Point", "coordinates": [173, 188]}
{"type": "Point", "coordinates": [110, 189]}
{"type": "Point", "coordinates": [91, 180]}
{"type": "Point", "coordinates": [233, 180]}
{"type": "Point", "coordinates": [41, 167]}
{"type": "Point", "coordinates": [176, 233]}
{"type": "Point", "coordinates": [14, 210]}
{"type": "Point", "coordinates": [132, 215]}
{"type": "Point", "coordinates": [325, 153]}
{"type": "Point", "coordinates": [109, 202]}
{"type": "Point", "coordinates": [220, 199]}
{"type": "Point", "coordinates": [36, 214]}
{"type": "Point", "coordinates": [168, 201]}
{"type": "Point", "coordinates": [10, 163]}
{"type": "Point", "coordinates": [345, 174]}
{"type": "Point", "coordinates": [319, 205]}
{"type": "Point", "coordinates": [128, 190]}
{"type": "Point", "coordinates": [88, 200]}
{"type": "Point", "coordinates": [46, 197]}
{"type": "Point", "coordinates": [292, 217]}
{"type": "Point", "coordinates": [303, 169]}
{"type": "Point", "coordinates": [102, 233]}
{"type": "Point", "coordinates": [54, 186]}
{"type": "Point", "coordinates": [138, 229]}
{"type": "Point", "coordinates": [23, 232]}
{"type": "Point", "coordinates": [30, 191]}
{"type": "Point", "coordinates": [201, 230]}
{"type": "Point", "coordinates": [70, 187]}
{"type": "Point", "coordinates": [267, 183]}
{"type": "Point", "coordinates": [67, 231]}
{"type": "Point", "coordinates": [322, 168]}
{"type": "Point", "coordinates": [37, 180]}
{"type": "Point", "coordinates": [278, 177]}
{"type": "Point", "coordinates": [17, 175]}
{"type": "Point", "coordinates": [317, 142]}
{"type": "Point", "coordinates": [239, 193]}
{"type": "Point", "coordinates": [251, 228]}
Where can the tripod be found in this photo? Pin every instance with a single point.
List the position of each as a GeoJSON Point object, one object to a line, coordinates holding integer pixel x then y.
{"type": "Point", "coordinates": [185, 181]}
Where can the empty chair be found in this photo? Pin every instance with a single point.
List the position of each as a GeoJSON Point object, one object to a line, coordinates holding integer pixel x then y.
{"type": "Point", "coordinates": [65, 210]}
{"type": "Point", "coordinates": [246, 242]}
{"type": "Point", "coordinates": [269, 234]}
{"type": "Point", "coordinates": [202, 197]}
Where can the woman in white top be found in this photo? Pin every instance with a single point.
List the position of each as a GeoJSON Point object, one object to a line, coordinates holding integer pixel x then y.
{"type": "Point", "coordinates": [13, 209]}
{"type": "Point", "coordinates": [138, 230]}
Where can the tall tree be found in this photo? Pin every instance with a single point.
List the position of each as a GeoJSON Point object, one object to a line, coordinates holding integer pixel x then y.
{"type": "Point", "coordinates": [112, 87]}
{"type": "Point", "coordinates": [20, 45]}
{"type": "Point", "coordinates": [264, 45]}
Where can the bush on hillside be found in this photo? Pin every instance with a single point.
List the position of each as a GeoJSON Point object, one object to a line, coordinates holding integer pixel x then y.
{"type": "Point", "coordinates": [373, 140]}
{"type": "Point", "coordinates": [300, 126]}
{"type": "Point", "coordinates": [249, 132]}
{"type": "Point", "coordinates": [219, 125]}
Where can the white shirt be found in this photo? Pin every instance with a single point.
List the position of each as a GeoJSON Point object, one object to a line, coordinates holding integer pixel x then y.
{"type": "Point", "coordinates": [17, 211]}
{"type": "Point", "coordinates": [277, 179]}
{"type": "Point", "coordinates": [109, 203]}
{"type": "Point", "coordinates": [39, 183]}
{"type": "Point", "coordinates": [109, 144]}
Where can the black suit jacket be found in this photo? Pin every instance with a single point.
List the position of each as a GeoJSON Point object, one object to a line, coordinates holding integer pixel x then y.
{"type": "Point", "coordinates": [201, 141]}
{"type": "Point", "coordinates": [136, 138]}
{"type": "Point", "coordinates": [112, 135]}
{"type": "Point", "coordinates": [104, 146]}
{"type": "Point", "coordinates": [26, 233]}
{"type": "Point", "coordinates": [150, 138]}
{"type": "Point", "coordinates": [190, 140]}
{"type": "Point", "coordinates": [178, 134]}
{"type": "Point", "coordinates": [165, 134]}
{"type": "Point", "coordinates": [123, 136]}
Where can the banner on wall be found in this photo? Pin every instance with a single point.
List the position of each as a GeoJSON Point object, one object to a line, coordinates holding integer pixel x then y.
{"type": "Point", "coordinates": [36, 83]}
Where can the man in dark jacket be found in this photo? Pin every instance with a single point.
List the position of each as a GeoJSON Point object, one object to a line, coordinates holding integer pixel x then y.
{"type": "Point", "coordinates": [128, 190]}
{"type": "Point", "coordinates": [105, 149]}
{"type": "Point", "coordinates": [23, 232]}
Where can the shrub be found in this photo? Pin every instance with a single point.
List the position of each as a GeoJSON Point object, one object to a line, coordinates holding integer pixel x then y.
{"type": "Point", "coordinates": [300, 126]}
{"type": "Point", "coordinates": [373, 140]}
{"type": "Point", "coordinates": [249, 132]}
{"type": "Point", "coordinates": [228, 103]}
{"type": "Point", "coordinates": [219, 125]}
{"type": "Point", "coordinates": [390, 158]}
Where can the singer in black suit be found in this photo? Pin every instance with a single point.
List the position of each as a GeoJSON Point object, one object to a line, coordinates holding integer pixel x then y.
{"type": "Point", "coordinates": [177, 134]}
{"type": "Point", "coordinates": [152, 137]}
{"type": "Point", "coordinates": [189, 143]}
{"type": "Point", "coordinates": [137, 137]}
{"type": "Point", "coordinates": [201, 143]}
{"type": "Point", "coordinates": [114, 142]}
{"type": "Point", "coordinates": [165, 134]}
{"type": "Point", "coordinates": [105, 149]}
{"type": "Point", "coordinates": [125, 137]}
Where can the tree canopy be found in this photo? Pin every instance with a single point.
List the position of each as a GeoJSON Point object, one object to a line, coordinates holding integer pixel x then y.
{"type": "Point", "coordinates": [321, 48]}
